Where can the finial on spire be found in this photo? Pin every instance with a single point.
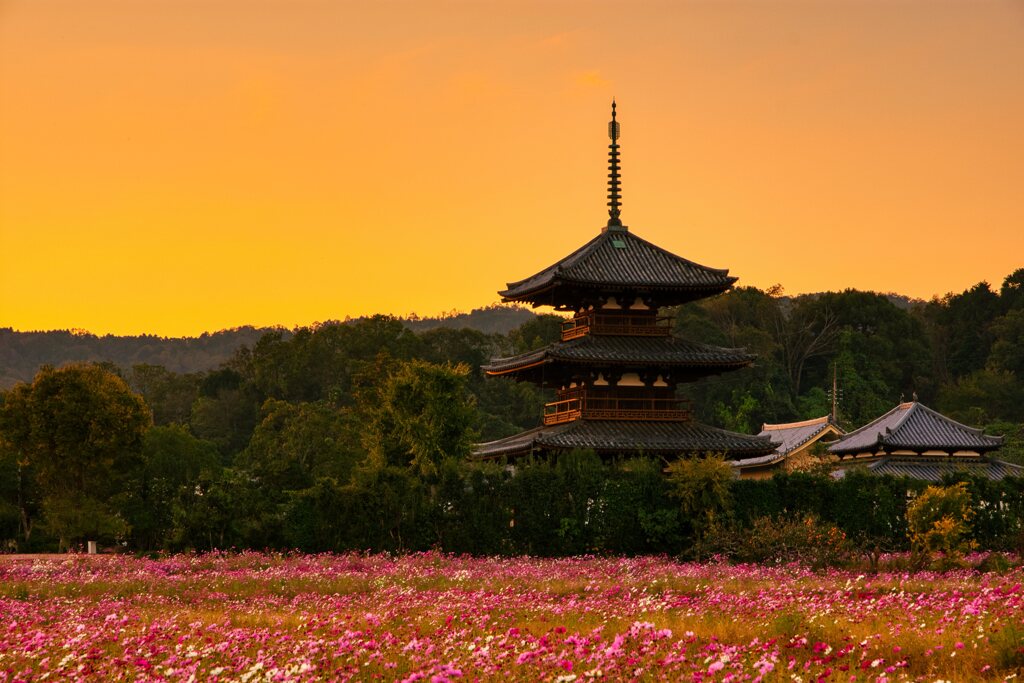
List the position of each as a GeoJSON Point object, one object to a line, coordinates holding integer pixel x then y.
{"type": "Point", "coordinates": [614, 198]}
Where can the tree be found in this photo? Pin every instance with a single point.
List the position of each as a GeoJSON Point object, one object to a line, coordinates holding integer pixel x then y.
{"type": "Point", "coordinates": [966, 318]}
{"type": "Point", "coordinates": [174, 466]}
{"type": "Point", "coordinates": [1011, 294]}
{"type": "Point", "coordinates": [536, 333]}
{"type": "Point", "coordinates": [294, 444]}
{"type": "Point", "coordinates": [80, 427]}
{"type": "Point", "coordinates": [1008, 344]}
{"type": "Point", "coordinates": [983, 397]}
{"type": "Point", "coordinates": [807, 330]}
{"type": "Point", "coordinates": [702, 487]}
{"type": "Point", "coordinates": [225, 412]}
{"type": "Point", "coordinates": [20, 499]}
{"type": "Point", "coordinates": [169, 395]}
{"type": "Point", "coordinates": [420, 414]}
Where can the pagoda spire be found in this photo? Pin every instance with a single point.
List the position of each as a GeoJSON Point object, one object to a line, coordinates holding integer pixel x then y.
{"type": "Point", "coordinates": [614, 198]}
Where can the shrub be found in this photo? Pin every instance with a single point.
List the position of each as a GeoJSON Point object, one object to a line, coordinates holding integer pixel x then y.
{"type": "Point", "coordinates": [701, 485]}
{"type": "Point", "coordinates": [938, 521]}
{"type": "Point", "coordinates": [780, 540]}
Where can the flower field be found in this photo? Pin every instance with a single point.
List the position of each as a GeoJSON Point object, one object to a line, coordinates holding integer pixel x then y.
{"type": "Point", "coordinates": [258, 617]}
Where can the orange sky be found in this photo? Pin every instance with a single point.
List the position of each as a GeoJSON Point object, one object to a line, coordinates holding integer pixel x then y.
{"type": "Point", "coordinates": [175, 166]}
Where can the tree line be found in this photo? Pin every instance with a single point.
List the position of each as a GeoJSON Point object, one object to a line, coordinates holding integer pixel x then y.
{"type": "Point", "coordinates": [356, 434]}
{"type": "Point", "coordinates": [23, 353]}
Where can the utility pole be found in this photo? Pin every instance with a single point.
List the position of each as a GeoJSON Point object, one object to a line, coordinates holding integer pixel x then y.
{"type": "Point", "coordinates": [835, 394]}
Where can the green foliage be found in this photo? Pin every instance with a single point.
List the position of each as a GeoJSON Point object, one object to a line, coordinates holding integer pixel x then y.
{"type": "Point", "coordinates": [296, 444]}
{"type": "Point", "coordinates": [780, 540]}
{"type": "Point", "coordinates": [984, 397]}
{"type": "Point", "coordinates": [421, 415]}
{"type": "Point", "coordinates": [872, 512]}
{"type": "Point", "coordinates": [226, 411]}
{"type": "Point", "coordinates": [80, 428]}
{"type": "Point", "coordinates": [966, 318]}
{"type": "Point", "coordinates": [354, 434]}
{"type": "Point", "coordinates": [938, 521]}
{"type": "Point", "coordinates": [26, 352]}
{"type": "Point", "coordinates": [536, 333]}
{"type": "Point", "coordinates": [702, 487]}
{"type": "Point", "coordinates": [169, 395]}
{"type": "Point", "coordinates": [174, 463]}
{"type": "Point", "coordinates": [1008, 343]}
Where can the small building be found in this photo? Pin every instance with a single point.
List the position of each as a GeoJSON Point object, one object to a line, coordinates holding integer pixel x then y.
{"type": "Point", "coordinates": [795, 446]}
{"type": "Point", "coordinates": [912, 440]}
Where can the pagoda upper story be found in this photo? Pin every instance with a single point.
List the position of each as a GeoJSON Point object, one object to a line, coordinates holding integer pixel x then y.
{"type": "Point", "coordinates": [620, 266]}
{"type": "Point", "coordinates": [617, 365]}
{"type": "Point", "coordinates": [617, 269]}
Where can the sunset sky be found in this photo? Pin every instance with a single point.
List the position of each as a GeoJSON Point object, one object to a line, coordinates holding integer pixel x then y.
{"type": "Point", "coordinates": [175, 166]}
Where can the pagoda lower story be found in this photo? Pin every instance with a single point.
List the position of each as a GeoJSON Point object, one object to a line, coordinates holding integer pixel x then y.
{"type": "Point", "coordinates": [615, 390]}
{"type": "Point", "coordinates": [616, 368]}
{"type": "Point", "coordinates": [613, 437]}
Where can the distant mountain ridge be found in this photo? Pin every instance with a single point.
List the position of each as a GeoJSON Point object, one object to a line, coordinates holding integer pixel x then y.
{"type": "Point", "coordinates": [22, 353]}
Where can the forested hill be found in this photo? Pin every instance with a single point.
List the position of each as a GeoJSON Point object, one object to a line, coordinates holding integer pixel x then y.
{"type": "Point", "coordinates": [490, 320]}
{"type": "Point", "coordinates": [22, 353]}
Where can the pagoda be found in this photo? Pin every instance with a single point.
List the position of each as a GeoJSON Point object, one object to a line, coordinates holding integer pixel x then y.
{"type": "Point", "coordinates": [616, 368]}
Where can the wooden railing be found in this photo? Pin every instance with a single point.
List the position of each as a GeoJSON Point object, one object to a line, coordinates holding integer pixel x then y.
{"type": "Point", "coordinates": [623, 324]}
{"type": "Point", "coordinates": [563, 411]}
{"type": "Point", "coordinates": [580, 405]}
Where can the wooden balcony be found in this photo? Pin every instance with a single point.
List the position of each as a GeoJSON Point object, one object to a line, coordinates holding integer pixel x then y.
{"type": "Point", "coordinates": [621, 324]}
{"type": "Point", "coordinates": [577, 404]}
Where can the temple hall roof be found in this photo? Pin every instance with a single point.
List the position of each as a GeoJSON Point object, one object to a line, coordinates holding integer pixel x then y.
{"type": "Point", "coordinates": [627, 437]}
{"type": "Point", "coordinates": [616, 259]}
{"type": "Point", "coordinates": [790, 436]}
{"type": "Point", "coordinates": [624, 350]}
{"type": "Point", "coordinates": [932, 469]}
{"type": "Point", "coordinates": [914, 427]}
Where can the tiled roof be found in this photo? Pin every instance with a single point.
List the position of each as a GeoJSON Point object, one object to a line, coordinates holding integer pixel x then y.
{"type": "Point", "coordinates": [932, 469]}
{"type": "Point", "coordinates": [914, 427]}
{"type": "Point", "coordinates": [618, 257]}
{"type": "Point", "coordinates": [788, 438]}
{"type": "Point", "coordinates": [791, 436]}
{"type": "Point", "coordinates": [600, 349]}
{"type": "Point", "coordinates": [628, 437]}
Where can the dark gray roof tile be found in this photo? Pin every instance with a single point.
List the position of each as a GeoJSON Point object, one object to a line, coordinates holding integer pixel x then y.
{"type": "Point", "coordinates": [915, 427]}
{"type": "Point", "coordinates": [622, 350]}
{"type": "Point", "coordinates": [932, 469]}
{"type": "Point", "coordinates": [625, 436]}
{"type": "Point", "coordinates": [635, 264]}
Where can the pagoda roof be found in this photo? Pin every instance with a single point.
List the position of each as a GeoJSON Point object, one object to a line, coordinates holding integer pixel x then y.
{"type": "Point", "coordinates": [933, 469]}
{"type": "Point", "coordinates": [616, 259]}
{"type": "Point", "coordinates": [914, 427]}
{"type": "Point", "coordinates": [615, 436]}
{"type": "Point", "coordinates": [625, 350]}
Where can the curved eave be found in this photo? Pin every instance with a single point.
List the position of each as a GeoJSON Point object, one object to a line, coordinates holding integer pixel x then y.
{"type": "Point", "coordinates": [759, 461]}
{"type": "Point", "coordinates": [990, 443]}
{"type": "Point", "coordinates": [491, 372]}
{"type": "Point", "coordinates": [882, 446]}
{"type": "Point", "coordinates": [627, 437]}
{"type": "Point", "coordinates": [497, 371]}
{"type": "Point", "coordinates": [544, 293]}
